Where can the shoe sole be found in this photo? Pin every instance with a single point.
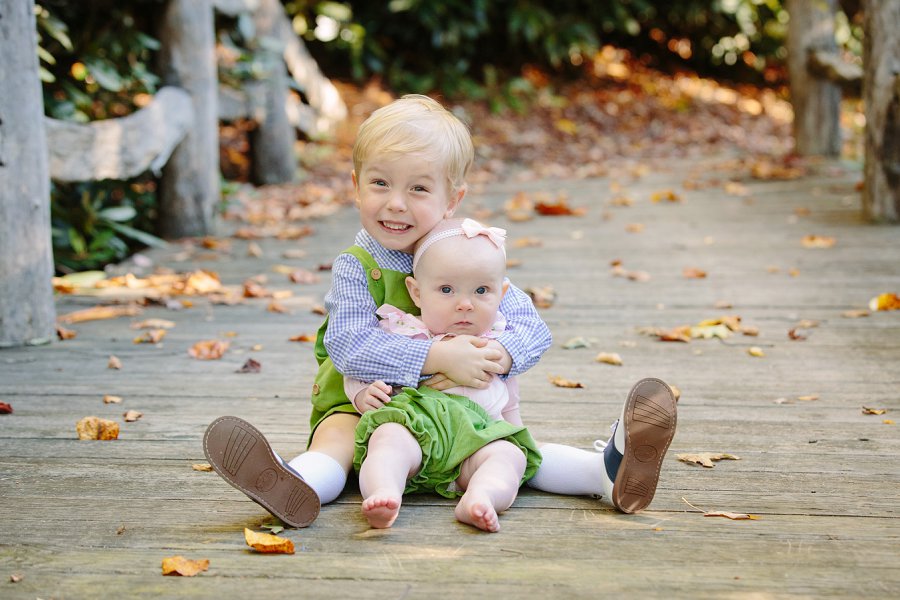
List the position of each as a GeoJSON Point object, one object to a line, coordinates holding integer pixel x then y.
{"type": "Point", "coordinates": [240, 454]}
{"type": "Point", "coordinates": [650, 417]}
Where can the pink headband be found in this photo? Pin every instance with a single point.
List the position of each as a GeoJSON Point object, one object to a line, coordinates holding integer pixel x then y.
{"type": "Point", "coordinates": [469, 228]}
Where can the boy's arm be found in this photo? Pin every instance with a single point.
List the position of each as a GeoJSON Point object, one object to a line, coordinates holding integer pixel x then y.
{"type": "Point", "coordinates": [527, 337]}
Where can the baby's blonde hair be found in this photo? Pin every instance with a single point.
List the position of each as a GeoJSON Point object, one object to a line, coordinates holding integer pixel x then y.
{"type": "Point", "coordinates": [417, 124]}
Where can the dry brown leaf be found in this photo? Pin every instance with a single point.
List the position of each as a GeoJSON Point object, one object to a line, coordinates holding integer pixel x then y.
{"type": "Point", "coordinates": [208, 349]}
{"type": "Point", "coordinates": [887, 301]}
{"type": "Point", "coordinates": [543, 297]}
{"type": "Point", "coordinates": [16, 577]}
{"type": "Point", "coordinates": [756, 351]}
{"type": "Point", "coordinates": [179, 565]}
{"type": "Point", "coordinates": [733, 188]}
{"type": "Point", "coordinates": [6, 408]}
{"type": "Point", "coordinates": [873, 411]}
{"type": "Point", "coordinates": [96, 313]}
{"type": "Point", "coordinates": [277, 307]}
{"type": "Point", "coordinates": [151, 336]}
{"type": "Point", "coordinates": [268, 543]}
{"type": "Point", "coordinates": [634, 227]}
{"type": "Point", "coordinates": [558, 207]}
{"type": "Point", "coordinates": [95, 428]}
{"type": "Point", "coordinates": [808, 398]}
{"type": "Point", "coordinates": [609, 358]}
{"type": "Point", "coordinates": [730, 515]}
{"type": "Point", "coordinates": [705, 459]}
{"type": "Point", "coordinates": [675, 392]}
{"type": "Point", "coordinates": [153, 324]}
{"type": "Point", "coordinates": [318, 309]}
{"type": "Point", "coordinates": [252, 289]}
{"type": "Point", "coordinates": [254, 250]}
{"type": "Point", "coordinates": [519, 207]}
{"type": "Point", "coordinates": [132, 415]}
{"type": "Point", "coordinates": [110, 399]}
{"type": "Point", "coordinates": [250, 366]}
{"type": "Point", "coordinates": [202, 467]}
{"type": "Point", "coordinates": [564, 383]}
{"type": "Point", "coordinates": [793, 334]}
{"type": "Point", "coordinates": [693, 273]}
{"type": "Point", "coordinates": [294, 253]}
{"type": "Point", "coordinates": [677, 334]}
{"type": "Point", "coordinates": [303, 337]}
{"type": "Point", "coordinates": [818, 241]}
{"type": "Point", "coordinates": [855, 314]}
{"type": "Point", "coordinates": [750, 330]}
{"type": "Point", "coordinates": [65, 334]}
{"type": "Point", "coordinates": [528, 242]}
{"type": "Point", "coordinates": [114, 362]}
{"type": "Point", "coordinates": [303, 276]}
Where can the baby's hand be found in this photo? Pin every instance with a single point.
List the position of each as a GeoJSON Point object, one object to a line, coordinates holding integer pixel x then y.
{"type": "Point", "coordinates": [466, 360]}
{"type": "Point", "coordinates": [375, 395]}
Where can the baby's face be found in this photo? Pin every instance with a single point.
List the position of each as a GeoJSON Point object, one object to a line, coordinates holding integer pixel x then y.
{"type": "Point", "coordinates": [458, 287]}
{"type": "Point", "coordinates": [401, 198]}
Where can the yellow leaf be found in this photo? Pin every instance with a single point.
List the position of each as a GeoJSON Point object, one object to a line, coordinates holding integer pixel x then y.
{"type": "Point", "coordinates": [151, 336]}
{"type": "Point", "coordinates": [179, 565]}
{"type": "Point", "coordinates": [609, 358]}
{"type": "Point", "coordinates": [667, 195]}
{"type": "Point", "coordinates": [888, 301]}
{"type": "Point", "coordinates": [888, 421]}
{"type": "Point", "coordinates": [208, 349]}
{"type": "Point", "coordinates": [818, 241]}
{"type": "Point", "coordinates": [705, 459]}
{"type": "Point", "coordinates": [567, 126]}
{"type": "Point", "coordinates": [99, 312]}
{"type": "Point", "coordinates": [873, 411]}
{"type": "Point", "coordinates": [95, 428]}
{"type": "Point", "coordinates": [756, 351]}
{"type": "Point", "coordinates": [153, 324]}
{"type": "Point", "coordinates": [202, 467]}
{"type": "Point", "coordinates": [268, 543]}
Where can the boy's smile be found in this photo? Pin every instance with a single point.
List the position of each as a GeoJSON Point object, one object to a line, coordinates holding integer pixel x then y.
{"type": "Point", "coordinates": [400, 199]}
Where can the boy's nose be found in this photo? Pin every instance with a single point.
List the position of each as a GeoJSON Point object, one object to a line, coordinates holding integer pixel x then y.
{"type": "Point", "coordinates": [396, 202]}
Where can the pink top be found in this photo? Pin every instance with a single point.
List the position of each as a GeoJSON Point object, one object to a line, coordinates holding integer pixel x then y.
{"type": "Point", "coordinates": [501, 396]}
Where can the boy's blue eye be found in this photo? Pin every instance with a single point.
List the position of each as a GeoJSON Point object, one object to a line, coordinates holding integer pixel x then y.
{"type": "Point", "coordinates": [481, 290]}
{"type": "Point", "coordinates": [379, 182]}
{"type": "Point", "coordinates": [446, 289]}
{"type": "Point", "coordinates": [419, 188]}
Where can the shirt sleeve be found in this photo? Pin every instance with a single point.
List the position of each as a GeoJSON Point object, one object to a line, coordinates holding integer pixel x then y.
{"type": "Point", "coordinates": [356, 344]}
{"type": "Point", "coordinates": [527, 337]}
{"type": "Point", "coordinates": [352, 387]}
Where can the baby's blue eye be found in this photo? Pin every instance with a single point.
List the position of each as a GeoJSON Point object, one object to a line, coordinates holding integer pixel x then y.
{"type": "Point", "coordinates": [481, 290]}
{"type": "Point", "coordinates": [446, 289]}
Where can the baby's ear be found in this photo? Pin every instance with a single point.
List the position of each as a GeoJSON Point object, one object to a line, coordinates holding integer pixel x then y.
{"type": "Point", "coordinates": [413, 287]}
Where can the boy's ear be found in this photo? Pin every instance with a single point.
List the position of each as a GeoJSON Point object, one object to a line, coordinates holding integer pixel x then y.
{"type": "Point", "coordinates": [355, 184]}
{"type": "Point", "coordinates": [455, 200]}
{"type": "Point", "coordinates": [505, 287]}
{"type": "Point", "coordinates": [412, 287]}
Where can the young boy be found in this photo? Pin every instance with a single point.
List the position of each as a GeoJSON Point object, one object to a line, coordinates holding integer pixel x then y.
{"type": "Point", "coordinates": [410, 162]}
{"type": "Point", "coordinates": [461, 445]}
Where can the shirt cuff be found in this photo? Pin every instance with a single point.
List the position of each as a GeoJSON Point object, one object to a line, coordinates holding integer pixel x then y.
{"type": "Point", "coordinates": [516, 350]}
{"type": "Point", "coordinates": [416, 353]}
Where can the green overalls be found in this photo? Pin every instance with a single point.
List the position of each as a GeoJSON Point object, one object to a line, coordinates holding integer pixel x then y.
{"type": "Point", "coordinates": [449, 428]}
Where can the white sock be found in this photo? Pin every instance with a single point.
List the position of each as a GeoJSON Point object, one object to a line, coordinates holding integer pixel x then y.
{"type": "Point", "coordinates": [322, 473]}
{"type": "Point", "coordinates": [570, 471]}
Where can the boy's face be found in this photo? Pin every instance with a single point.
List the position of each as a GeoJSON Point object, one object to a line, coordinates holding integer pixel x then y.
{"type": "Point", "coordinates": [458, 288]}
{"type": "Point", "coordinates": [400, 198]}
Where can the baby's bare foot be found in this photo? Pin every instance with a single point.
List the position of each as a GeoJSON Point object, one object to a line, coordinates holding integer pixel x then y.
{"type": "Point", "coordinates": [478, 511]}
{"type": "Point", "coordinates": [381, 510]}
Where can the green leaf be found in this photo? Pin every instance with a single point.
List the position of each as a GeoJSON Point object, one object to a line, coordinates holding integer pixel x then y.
{"type": "Point", "coordinates": [105, 74]}
{"type": "Point", "coordinates": [136, 234]}
{"type": "Point", "coordinates": [76, 241]}
{"type": "Point", "coordinates": [119, 214]}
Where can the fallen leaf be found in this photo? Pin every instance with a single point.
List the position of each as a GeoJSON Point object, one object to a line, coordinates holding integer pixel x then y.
{"type": "Point", "coordinates": [95, 428]}
{"type": "Point", "coordinates": [179, 565]}
{"type": "Point", "coordinates": [543, 297]}
{"type": "Point", "coordinates": [888, 422]}
{"type": "Point", "coordinates": [675, 392]}
{"type": "Point", "coordinates": [609, 358]}
{"type": "Point", "coordinates": [151, 336]}
{"type": "Point", "coordinates": [250, 366]}
{"type": "Point", "coordinates": [705, 459]}
{"type": "Point", "coordinates": [693, 273]}
{"type": "Point", "coordinates": [120, 530]}
{"type": "Point", "coordinates": [303, 337]}
{"type": "Point", "coordinates": [202, 467]}
{"type": "Point", "coordinates": [153, 324]}
{"type": "Point", "coordinates": [109, 399]}
{"type": "Point", "coordinates": [318, 309]}
{"type": "Point", "coordinates": [807, 324]}
{"type": "Point", "coordinates": [793, 334]}
{"type": "Point", "coordinates": [818, 241]}
{"type": "Point", "coordinates": [808, 398]}
{"type": "Point", "coordinates": [273, 528]}
{"type": "Point", "coordinates": [558, 207]}
{"type": "Point", "coordinates": [294, 253]}
{"type": "Point", "coordinates": [750, 331]}
{"type": "Point", "coordinates": [855, 314]}
{"type": "Point", "coordinates": [667, 195]}
{"type": "Point", "coordinates": [677, 334]}
{"type": "Point", "coordinates": [132, 416]}
{"type": "Point", "coordinates": [303, 276]}
{"type": "Point", "coordinates": [634, 227]}
{"type": "Point", "coordinates": [564, 383]}
{"type": "Point", "coordinates": [577, 342]}
{"type": "Point", "coordinates": [208, 349]}
{"type": "Point", "coordinates": [65, 334]}
{"type": "Point", "coordinates": [723, 304]}
{"type": "Point", "coordinates": [873, 411]}
{"type": "Point", "coordinates": [528, 242]}
{"type": "Point", "coordinates": [268, 543]}
{"type": "Point", "coordinates": [6, 408]}
{"type": "Point", "coordinates": [254, 250]}
{"type": "Point", "coordinates": [16, 578]}
{"type": "Point", "coordinates": [756, 351]}
{"type": "Point", "coordinates": [888, 301]}
{"type": "Point", "coordinates": [733, 188]}
{"type": "Point", "coordinates": [114, 362]}
{"type": "Point", "coordinates": [519, 207]}
{"type": "Point", "coordinates": [277, 307]}
{"type": "Point", "coordinates": [710, 331]}
{"type": "Point", "coordinates": [99, 312]}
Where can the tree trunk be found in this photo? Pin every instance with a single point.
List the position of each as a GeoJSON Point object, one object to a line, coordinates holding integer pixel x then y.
{"type": "Point", "coordinates": [816, 101]}
{"type": "Point", "coordinates": [272, 142]}
{"type": "Point", "coordinates": [189, 188]}
{"type": "Point", "coordinates": [881, 94]}
{"type": "Point", "coordinates": [27, 314]}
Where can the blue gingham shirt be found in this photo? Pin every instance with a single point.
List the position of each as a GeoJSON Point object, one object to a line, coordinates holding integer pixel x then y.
{"type": "Point", "coordinates": [362, 350]}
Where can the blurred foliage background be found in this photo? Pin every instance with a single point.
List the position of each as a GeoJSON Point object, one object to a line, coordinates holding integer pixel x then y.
{"type": "Point", "coordinates": [97, 61]}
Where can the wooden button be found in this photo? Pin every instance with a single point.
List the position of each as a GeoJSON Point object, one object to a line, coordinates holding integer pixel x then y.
{"type": "Point", "coordinates": [315, 389]}
{"type": "Point", "coordinates": [376, 274]}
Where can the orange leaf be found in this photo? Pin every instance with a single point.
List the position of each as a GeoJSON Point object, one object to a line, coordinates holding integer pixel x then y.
{"type": "Point", "coordinates": [99, 312]}
{"type": "Point", "coordinates": [208, 349]}
{"type": "Point", "coordinates": [268, 543]}
{"type": "Point", "coordinates": [95, 428]}
{"type": "Point", "coordinates": [818, 241]}
{"type": "Point", "coordinates": [65, 334]}
{"type": "Point", "coordinates": [609, 358]}
{"type": "Point", "coordinates": [303, 337]}
{"type": "Point", "coordinates": [693, 273]}
{"type": "Point", "coordinates": [153, 336]}
{"type": "Point", "coordinates": [873, 411]}
{"type": "Point", "coordinates": [888, 301]}
{"type": "Point", "coordinates": [179, 565]}
{"type": "Point", "coordinates": [564, 383]}
{"type": "Point", "coordinates": [667, 195]}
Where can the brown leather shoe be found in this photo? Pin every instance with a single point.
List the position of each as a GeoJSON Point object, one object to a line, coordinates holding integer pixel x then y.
{"type": "Point", "coordinates": [240, 454]}
{"type": "Point", "coordinates": [634, 454]}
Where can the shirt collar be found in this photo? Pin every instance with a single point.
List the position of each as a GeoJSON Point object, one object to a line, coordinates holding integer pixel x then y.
{"type": "Point", "coordinates": [388, 259]}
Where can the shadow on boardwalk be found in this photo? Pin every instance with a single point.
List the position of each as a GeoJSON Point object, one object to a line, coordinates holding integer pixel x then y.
{"type": "Point", "coordinates": [86, 519]}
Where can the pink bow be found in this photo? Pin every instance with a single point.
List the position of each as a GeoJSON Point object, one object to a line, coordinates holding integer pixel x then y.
{"type": "Point", "coordinates": [472, 228]}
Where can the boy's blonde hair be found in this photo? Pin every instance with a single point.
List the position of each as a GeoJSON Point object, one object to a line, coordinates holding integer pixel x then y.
{"type": "Point", "coordinates": [417, 124]}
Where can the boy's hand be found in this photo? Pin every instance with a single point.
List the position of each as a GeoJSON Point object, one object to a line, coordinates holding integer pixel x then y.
{"type": "Point", "coordinates": [375, 395]}
{"type": "Point", "coordinates": [439, 382]}
{"type": "Point", "coordinates": [465, 359]}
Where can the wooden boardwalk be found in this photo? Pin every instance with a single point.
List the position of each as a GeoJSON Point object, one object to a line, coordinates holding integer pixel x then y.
{"type": "Point", "coordinates": [83, 519]}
